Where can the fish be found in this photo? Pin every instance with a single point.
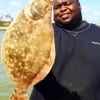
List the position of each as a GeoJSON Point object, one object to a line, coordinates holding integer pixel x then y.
{"type": "Point", "coordinates": [28, 47]}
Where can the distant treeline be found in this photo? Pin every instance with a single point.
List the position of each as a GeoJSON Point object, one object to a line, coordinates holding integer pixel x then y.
{"type": "Point", "coordinates": [4, 23]}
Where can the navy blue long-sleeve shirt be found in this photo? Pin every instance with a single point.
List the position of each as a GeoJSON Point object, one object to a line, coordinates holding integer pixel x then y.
{"type": "Point", "coordinates": [76, 71]}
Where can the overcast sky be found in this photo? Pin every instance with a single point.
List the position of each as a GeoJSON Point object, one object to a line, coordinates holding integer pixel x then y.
{"type": "Point", "coordinates": [90, 8]}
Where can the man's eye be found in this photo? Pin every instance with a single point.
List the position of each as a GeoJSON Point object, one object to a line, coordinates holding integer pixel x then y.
{"type": "Point", "coordinates": [56, 7]}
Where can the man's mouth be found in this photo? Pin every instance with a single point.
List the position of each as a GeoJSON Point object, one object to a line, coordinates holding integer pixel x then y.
{"type": "Point", "coordinates": [65, 16]}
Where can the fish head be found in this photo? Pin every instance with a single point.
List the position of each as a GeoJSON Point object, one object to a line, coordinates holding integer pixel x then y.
{"type": "Point", "coordinates": [37, 9]}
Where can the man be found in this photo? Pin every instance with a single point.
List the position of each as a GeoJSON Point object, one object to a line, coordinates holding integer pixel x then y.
{"type": "Point", "coordinates": [76, 72]}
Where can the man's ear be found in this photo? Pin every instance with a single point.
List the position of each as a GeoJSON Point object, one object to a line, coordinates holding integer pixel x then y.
{"type": "Point", "coordinates": [79, 5]}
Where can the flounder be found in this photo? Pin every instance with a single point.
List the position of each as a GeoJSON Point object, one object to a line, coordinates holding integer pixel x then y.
{"type": "Point", "coordinates": [28, 48]}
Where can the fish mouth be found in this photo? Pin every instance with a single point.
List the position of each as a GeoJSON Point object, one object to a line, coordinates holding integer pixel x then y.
{"type": "Point", "coordinates": [37, 10]}
{"type": "Point", "coordinates": [34, 14]}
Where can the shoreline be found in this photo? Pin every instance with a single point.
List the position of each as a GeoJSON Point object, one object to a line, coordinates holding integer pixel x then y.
{"type": "Point", "coordinates": [3, 28]}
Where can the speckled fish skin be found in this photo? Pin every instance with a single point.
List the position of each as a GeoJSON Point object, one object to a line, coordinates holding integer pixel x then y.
{"type": "Point", "coordinates": [28, 49]}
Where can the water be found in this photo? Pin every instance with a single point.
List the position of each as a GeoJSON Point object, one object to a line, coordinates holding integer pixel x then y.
{"type": "Point", "coordinates": [6, 85]}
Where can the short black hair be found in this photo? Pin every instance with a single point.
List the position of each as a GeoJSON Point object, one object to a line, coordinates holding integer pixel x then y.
{"type": "Point", "coordinates": [77, 0]}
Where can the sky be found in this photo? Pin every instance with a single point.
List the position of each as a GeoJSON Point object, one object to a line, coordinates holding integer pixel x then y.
{"type": "Point", "coordinates": [90, 8]}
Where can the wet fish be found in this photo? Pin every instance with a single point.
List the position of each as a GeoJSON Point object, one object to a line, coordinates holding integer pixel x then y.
{"type": "Point", "coordinates": [28, 48]}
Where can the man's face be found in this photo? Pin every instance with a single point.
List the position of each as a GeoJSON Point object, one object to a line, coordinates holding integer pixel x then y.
{"type": "Point", "coordinates": [66, 11]}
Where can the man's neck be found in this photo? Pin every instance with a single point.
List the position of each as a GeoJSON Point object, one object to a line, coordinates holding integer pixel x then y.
{"type": "Point", "coordinates": [81, 25]}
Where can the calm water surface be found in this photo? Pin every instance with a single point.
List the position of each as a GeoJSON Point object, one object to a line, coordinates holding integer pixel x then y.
{"type": "Point", "coordinates": [6, 85]}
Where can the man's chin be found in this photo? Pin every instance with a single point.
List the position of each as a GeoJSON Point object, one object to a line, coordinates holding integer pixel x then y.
{"type": "Point", "coordinates": [63, 21]}
{"type": "Point", "coordinates": [66, 21]}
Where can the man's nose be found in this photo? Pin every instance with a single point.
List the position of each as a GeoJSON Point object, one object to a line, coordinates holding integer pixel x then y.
{"type": "Point", "coordinates": [63, 8]}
